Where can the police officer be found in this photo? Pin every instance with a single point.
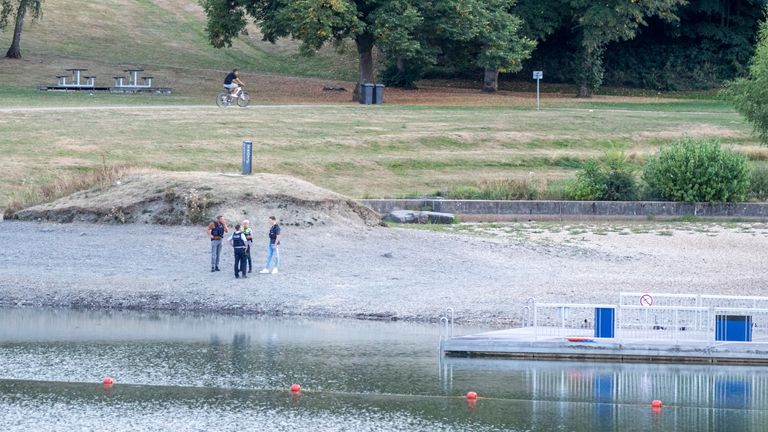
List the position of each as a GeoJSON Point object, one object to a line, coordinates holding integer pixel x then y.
{"type": "Point", "coordinates": [249, 237]}
{"type": "Point", "coordinates": [216, 231]}
{"type": "Point", "coordinates": [240, 244]}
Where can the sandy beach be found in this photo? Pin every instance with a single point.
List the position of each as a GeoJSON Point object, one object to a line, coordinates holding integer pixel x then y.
{"type": "Point", "coordinates": [485, 274]}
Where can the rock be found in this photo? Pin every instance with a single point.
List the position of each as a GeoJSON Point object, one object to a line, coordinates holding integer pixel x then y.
{"type": "Point", "coordinates": [411, 216]}
{"type": "Point", "coordinates": [388, 255]}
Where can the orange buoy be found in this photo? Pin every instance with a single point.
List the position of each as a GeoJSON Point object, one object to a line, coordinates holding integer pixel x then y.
{"type": "Point", "coordinates": [471, 395]}
{"type": "Point", "coordinates": [295, 388]}
{"type": "Point", "coordinates": [107, 382]}
{"type": "Point", "coordinates": [656, 403]}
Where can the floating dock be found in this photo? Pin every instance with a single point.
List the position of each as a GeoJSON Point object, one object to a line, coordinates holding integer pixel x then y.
{"type": "Point", "coordinates": [640, 327]}
{"type": "Point", "coordinates": [523, 343]}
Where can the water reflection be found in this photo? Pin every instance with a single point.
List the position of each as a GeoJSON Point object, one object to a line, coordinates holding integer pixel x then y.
{"type": "Point", "coordinates": [712, 397]}
{"type": "Point", "coordinates": [216, 370]}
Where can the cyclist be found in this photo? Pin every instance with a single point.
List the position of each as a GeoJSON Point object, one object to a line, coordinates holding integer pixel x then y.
{"type": "Point", "coordinates": [232, 83]}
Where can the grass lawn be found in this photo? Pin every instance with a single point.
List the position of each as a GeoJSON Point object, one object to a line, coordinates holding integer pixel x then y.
{"type": "Point", "coordinates": [374, 151]}
{"type": "Point", "coordinates": [420, 142]}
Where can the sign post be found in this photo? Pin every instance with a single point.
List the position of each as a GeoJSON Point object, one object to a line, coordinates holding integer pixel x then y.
{"type": "Point", "coordinates": [247, 157]}
{"type": "Point", "coordinates": [538, 75]}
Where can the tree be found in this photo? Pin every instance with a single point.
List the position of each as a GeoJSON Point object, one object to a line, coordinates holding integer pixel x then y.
{"type": "Point", "coordinates": [598, 24]}
{"type": "Point", "coordinates": [750, 95]}
{"type": "Point", "coordinates": [501, 46]}
{"type": "Point", "coordinates": [409, 32]}
{"type": "Point", "coordinates": [6, 8]}
{"type": "Point", "coordinates": [592, 26]}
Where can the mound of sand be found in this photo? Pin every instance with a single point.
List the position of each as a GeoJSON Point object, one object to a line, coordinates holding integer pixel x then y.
{"type": "Point", "coordinates": [190, 198]}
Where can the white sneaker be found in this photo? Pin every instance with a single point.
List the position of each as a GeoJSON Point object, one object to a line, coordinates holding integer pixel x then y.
{"type": "Point", "coordinates": [264, 271]}
{"type": "Point", "coordinates": [274, 270]}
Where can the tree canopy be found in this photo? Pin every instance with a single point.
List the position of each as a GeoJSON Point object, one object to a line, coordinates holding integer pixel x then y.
{"type": "Point", "coordinates": [404, 30]}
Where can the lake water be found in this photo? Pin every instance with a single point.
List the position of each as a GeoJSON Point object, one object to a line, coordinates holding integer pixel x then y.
{"type": "Point", "coordinates": [232, 373]}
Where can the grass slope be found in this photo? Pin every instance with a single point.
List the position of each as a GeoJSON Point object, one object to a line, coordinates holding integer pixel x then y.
{"type": "Point", "coordinates": [373, 151]}
{"type": "Point", "coordinates": [166, 37]}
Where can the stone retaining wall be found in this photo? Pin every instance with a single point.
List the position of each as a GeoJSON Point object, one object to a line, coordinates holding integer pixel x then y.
{"type": "Point", "coordinates": [524, 210]}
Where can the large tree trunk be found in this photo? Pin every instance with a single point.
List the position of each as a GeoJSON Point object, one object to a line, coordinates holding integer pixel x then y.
{"type": "Point", "coordinates": [365, 67]}
{"type": "Point", "coordinates": [15, 50]}
{"type": "Point", "coordinates": [491, 80]}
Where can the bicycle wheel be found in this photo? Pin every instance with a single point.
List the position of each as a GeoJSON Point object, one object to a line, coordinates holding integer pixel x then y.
{"type": "Point", "coordinates": [222, 100]}
{"type": "Point", "coordinates": [244, 99]}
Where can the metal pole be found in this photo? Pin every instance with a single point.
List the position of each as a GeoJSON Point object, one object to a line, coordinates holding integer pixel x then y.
{"type": "Point", "coordinates": [538, 103]}
{"type": "Point", "coordinates": [247, 157]}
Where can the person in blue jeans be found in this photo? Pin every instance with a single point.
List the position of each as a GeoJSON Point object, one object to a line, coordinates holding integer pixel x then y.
{"type": "Point", "coordinates": [272, 249]}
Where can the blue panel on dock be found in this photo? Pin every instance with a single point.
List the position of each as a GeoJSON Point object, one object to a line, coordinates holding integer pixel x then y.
{"type": "Point", "coordinates": [733, 328]}
{"type": "Point", "coordinates": [604, 322]}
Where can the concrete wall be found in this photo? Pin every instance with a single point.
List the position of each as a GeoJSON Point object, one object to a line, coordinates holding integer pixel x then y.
{"type": "Point", "coordinates": [524, 210]}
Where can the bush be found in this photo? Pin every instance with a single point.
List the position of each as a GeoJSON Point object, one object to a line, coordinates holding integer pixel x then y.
{"type": "Point", "coordinates": [758, 184]}
{"type": "Point", "coordinates": [692, 170]}
{"type": "Point", "coordinates": [608, 179]}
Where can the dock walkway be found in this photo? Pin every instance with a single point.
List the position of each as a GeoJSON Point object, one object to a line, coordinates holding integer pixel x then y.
{"type": "Point", "coordinates": [523, 343]}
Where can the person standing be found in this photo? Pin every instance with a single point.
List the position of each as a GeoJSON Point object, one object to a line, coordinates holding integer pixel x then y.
{"type": "Point", "coordinates": [216, 231]}
{"type": "Point", "coordinates": [240, 244]}
{"type": "Point", "coordinates": [272, 249]}
{"type": "Point", "coordinates": [249, 237]}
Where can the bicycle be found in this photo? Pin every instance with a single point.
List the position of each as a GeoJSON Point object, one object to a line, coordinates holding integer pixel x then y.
{"type": "Point", "coordinates": [225, 99]}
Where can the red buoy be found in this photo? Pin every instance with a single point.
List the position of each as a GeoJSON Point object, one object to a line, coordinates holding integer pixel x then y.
{"type": "Point", "coordinates": [108, 382]}
{"type": "Point", "coordinates": [295, 388]}
{"type": "Point", "coordinates": [471, 395]}
{"type": "Point", "coordinates": [656, 403]}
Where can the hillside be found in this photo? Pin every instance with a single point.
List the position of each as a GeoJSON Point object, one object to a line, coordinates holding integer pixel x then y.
{"type": "Point", "coordinates": [165, 37]}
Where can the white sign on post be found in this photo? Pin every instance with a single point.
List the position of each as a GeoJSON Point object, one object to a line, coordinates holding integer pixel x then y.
{"type": "Point", "coordinates": [538, 76]}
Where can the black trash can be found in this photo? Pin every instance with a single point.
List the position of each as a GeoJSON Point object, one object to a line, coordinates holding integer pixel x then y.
{"type": "Point", "coordinates": [366, 93]}
{"type": "Point", "coordinates": [378, 94]}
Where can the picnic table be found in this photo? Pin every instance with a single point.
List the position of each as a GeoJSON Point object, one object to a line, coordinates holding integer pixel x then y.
{"type": "Point", "coordinates": [76, 75]}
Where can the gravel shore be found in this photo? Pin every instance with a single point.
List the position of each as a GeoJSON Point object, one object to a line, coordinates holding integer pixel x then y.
{"type": "Point", "coordinates": [388, 273]}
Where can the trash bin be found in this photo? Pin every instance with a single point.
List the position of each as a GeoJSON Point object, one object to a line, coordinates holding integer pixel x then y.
{"type": "Point", "coordinates": [604, 322]}
{"type": "Point", "coordinates": [733, 328]}
{"type": "Point", "coordinates": [378, 94]}
{"type": "Point", "coordinates": [366, 93]}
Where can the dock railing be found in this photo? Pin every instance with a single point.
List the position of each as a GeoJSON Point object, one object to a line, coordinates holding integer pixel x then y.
{"type": "Point", "coordinates": [663, 322]}
{"type": "Point", "coordinates": [709, 324]}
{"type": "Point", "coordinates": [565, 319]}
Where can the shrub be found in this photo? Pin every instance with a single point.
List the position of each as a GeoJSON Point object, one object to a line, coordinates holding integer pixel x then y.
{"type": "Point", "coordinates": [758, 184]}
{"type": "Point", "coordinates": [608, 179]}
{"type": "Point", "coordinates": [692, 170]}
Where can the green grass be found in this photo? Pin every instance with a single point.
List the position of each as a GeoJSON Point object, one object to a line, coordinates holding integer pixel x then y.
{"type": "Point", "coordinates": [388, 152]}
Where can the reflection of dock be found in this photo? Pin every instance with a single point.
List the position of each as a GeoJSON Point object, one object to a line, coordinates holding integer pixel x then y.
{"type": "Point", "coordinates": [616, 396]}
{"type": "Point", "coordinates": [677, 328]}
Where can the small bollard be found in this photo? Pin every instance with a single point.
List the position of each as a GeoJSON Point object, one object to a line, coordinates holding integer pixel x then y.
{"type": "Point", "coordinates": [247, 157]}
